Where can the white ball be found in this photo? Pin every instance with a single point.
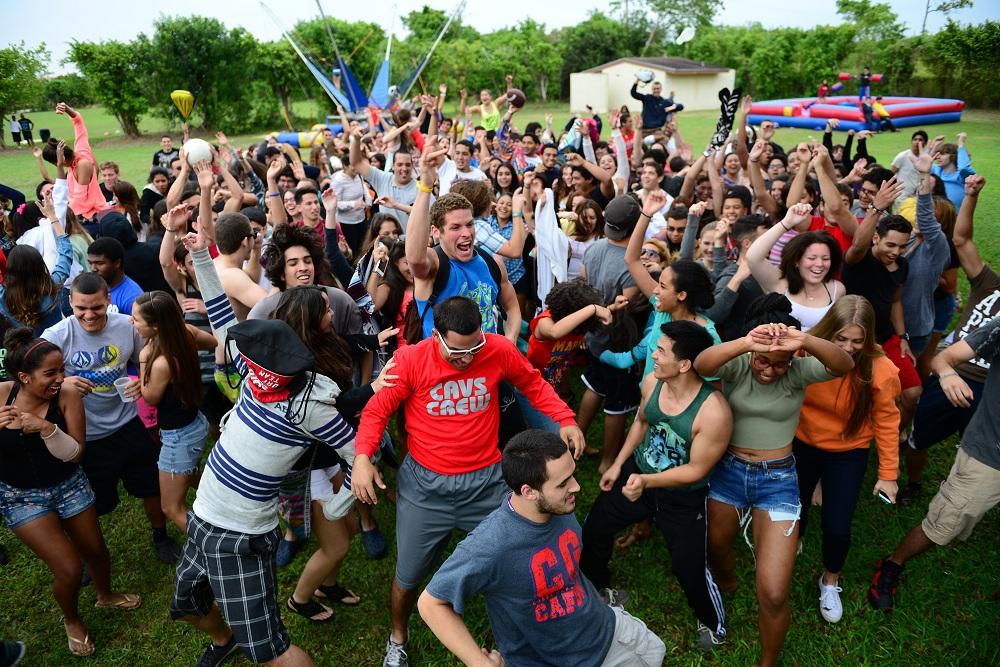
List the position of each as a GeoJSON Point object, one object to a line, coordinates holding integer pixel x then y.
{"type": "Point", "coordinates": [196, 150]}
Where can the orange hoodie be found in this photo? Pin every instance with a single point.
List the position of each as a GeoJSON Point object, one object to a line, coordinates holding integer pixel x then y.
{"type": "Point", "coordinates": [827, 406]}
{"type": "Point", "coordinates": [85, 200]}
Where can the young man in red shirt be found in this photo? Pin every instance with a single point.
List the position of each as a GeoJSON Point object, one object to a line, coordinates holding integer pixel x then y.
{"type": "Point", "coordinates": [448, 387]}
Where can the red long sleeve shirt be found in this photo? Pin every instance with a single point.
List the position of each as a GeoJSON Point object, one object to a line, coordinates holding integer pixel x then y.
{"type": "Point", "coordinates": [452, 415]}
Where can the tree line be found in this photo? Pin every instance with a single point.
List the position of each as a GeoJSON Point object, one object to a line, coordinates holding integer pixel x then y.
{"type": "Point", "coordinates": [243, 84]}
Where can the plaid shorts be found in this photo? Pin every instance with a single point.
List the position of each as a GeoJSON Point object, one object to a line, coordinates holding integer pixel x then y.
{"type": "Point", "coordinates": [238, 571]}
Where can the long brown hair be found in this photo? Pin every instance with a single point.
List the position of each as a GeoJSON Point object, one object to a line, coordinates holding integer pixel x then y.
{"type": "Point", "coordinates": [28, 282]}
{"type": "Point", "coordinates": [796, 248]}
{"type": "Point", "coordinates": [302, 308]}
{"type": "Point", "coordinates": [846, 311]}
{"type": "Point", "coordinates": [174, 343]}
{"type": "Point", "coordinates": [128, 199]}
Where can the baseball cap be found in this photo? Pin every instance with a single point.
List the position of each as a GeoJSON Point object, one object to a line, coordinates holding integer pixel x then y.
{"type": "Point", "coordinates": [620, 217]}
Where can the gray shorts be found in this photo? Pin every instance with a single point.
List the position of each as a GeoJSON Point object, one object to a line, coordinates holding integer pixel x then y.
{"type": "Point", "coordinates": [429, 506]}
{"type": "Point", "coordinates": [634, 645]}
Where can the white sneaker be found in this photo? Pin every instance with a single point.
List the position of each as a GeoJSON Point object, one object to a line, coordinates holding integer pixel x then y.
{"type": "Point", "coordinates": [829, 602]}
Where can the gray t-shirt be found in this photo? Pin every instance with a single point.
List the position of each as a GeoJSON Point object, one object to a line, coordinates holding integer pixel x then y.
{"type": "Point", "coordinates": [102, 358]}
{"type": "Point", "coordinates": [542, 609]}
{"type": "Point", "coordinates": [608, 273]}
{"type": "Point", "coordinates": [981, 439]}
{"type": "Point", "coordinates": [385, 184]}
{"type": "Point", "coordinates": [346, 316]}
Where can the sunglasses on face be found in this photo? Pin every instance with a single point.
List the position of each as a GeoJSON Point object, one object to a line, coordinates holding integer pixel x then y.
{"type": "Point", "coordinates": [650, 253]}
{"type": "Point", "coordinates": [461, 354]}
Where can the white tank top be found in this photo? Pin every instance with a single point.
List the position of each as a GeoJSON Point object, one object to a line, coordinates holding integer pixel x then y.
{"type": "Point", "coordinates": [809, 316]}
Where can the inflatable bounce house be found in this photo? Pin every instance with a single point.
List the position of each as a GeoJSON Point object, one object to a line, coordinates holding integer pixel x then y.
{"type": "Point", "coordinates": [342, 86]}
{"type": "Point", "coordinates": [813, 112]}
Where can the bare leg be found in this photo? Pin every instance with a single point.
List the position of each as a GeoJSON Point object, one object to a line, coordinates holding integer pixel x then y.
{"type": "Point", "coordinates": [723, 525]}
{"type": "Point", "coordinates": [367, 516]}
{"type": "Point", "coordinates": [85, 532]}
{"type": "Point", "coordinates": [915, 543]}
{"type": "Point", "coordinates": [334, 540]}
{"type": "Point", "coordinates": [775, 562]}
{"type": "Point", "coordinates": [212, 625]}
{"type": "Point", "coordinates": [293, 657]}
{"type": "Point", "coordinates": [403, 601]}
{"type": "Point", "coordinates": [589, 405]}
{"type": "Point", "coordinates": [46, 538]}
{"type": "Point", "coordinates": [173, 489]}
{"type": "Point", "coordinates": [151, 505]}
{"type": "Point", "coordinates": [908, 407]}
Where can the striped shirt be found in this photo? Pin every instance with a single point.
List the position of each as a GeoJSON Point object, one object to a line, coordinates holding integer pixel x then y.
{"type": "Point", "coordinates": [260, 442]}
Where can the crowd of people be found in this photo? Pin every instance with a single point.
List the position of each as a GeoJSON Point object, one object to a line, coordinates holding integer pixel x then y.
{"type": "Point", "coordinates": [275, 327]}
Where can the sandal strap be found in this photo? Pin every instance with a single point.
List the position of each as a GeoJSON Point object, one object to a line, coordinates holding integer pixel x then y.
{"type": "Point", "coordinates": [338, 593]}
{"type": "Point", "coordinates": [309, 610]}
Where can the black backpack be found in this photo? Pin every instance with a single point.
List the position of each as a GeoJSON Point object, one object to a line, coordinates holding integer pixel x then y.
{"type": "Point", "coordinates": [441, 279]}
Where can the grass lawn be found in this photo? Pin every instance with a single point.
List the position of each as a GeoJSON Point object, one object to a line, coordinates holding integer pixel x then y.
{"type": "Point", "coordinates": [946, 615]}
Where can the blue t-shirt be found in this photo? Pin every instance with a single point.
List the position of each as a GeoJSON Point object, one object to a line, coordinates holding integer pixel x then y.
{"type": "Point", "coordinates": [123, 296]}
{"type": "Point", "coordinates": [542, 609]}
{"type": "Point", "coordinates": [471, 279]}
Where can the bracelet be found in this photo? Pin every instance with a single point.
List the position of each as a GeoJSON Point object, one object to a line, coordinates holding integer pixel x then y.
{"type": "Point", "coordinates": [517, 214]}
{"type": "Point", "coordinates": [595, 310]}
{"type": "Point", "coordinates": [273, 194]}
{"type": "Point", "coordinates": [645, 214]}
{"type": "Point", "coordinates": [946, 375]}
{"type": "Point", "coordinates": [423, 188]}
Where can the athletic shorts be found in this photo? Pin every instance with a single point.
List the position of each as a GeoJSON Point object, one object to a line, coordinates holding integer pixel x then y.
{"type": "Point", "coordinates": [429, 506]}
{"type": "Point", "coordinates": [128, 455]}
{"type": "Point", "coordinates": [971, 490]}
{"type": "Point", "coordinates": [633, 643]}
{"type": "Point", "coordinates": [908, 376]}
{"type": "Point", "coordinates": [238, 571]}
{"type": "Point", "coordinates": [618, 387]}
{"type": "Point", "coordinates": [936, 418]}
{"type": "Point", "coordinates": [68, 498]}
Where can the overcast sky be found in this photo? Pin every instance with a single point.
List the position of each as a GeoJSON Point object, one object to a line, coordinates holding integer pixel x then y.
{"type": "Point", "coordinates": [56, 22]}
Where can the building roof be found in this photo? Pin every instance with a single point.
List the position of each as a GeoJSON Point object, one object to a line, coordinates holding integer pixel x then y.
{"type": "Point", "coordinates": [673, 66]}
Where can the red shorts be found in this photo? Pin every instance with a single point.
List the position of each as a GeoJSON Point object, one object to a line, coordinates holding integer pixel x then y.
{"type": "Point", "coordinates": [908, 376]}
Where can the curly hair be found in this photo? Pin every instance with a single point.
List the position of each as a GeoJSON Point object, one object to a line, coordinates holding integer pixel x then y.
{"type": "Point", "coordinates": [445, 205]}
{"type": "Point", "coordinates": [287, 236]}
{"type": "Point", "coordinates": [566, 298]}
{"type": "Point", "coordinates": [772, 308]}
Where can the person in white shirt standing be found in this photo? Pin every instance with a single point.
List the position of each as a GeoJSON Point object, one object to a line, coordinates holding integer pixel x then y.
{"type": "Point", "coordinates": [353, 199]}
{"type": "Point", "coordinates": [903, 167]}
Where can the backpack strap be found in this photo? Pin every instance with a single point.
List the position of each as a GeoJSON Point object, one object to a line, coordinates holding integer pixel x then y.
{"type": "Point", "coordinates": [444, 272]}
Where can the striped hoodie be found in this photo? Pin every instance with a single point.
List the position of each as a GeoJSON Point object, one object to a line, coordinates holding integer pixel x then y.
{"type": "Point", "coordinates": [260, 442]}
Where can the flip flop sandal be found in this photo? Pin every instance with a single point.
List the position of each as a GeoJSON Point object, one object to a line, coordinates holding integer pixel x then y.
{"type": "Point", "coordinates": [337, 593]}
{"type": "Point", "coordinates": [128, 602]}
{"type": "Point", "coordinates": [79, 647]}
{"type": "Point", "coordinates": [309, 610]}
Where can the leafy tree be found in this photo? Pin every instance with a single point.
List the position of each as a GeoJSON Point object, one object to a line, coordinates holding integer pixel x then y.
{"type": "Point", "coordinates": [676, 14]}
{"type": "Point", "coordinates": [362, 45]}
{"type": "Point", "coordinates": [957, 55]}
{"type": "Point", "coordinates": [875, 21]}
{"type": "Point", "coordinates": [117, 73]}
{"type": "Point", "coordinates": [73, 89]}
{"type": "Point", "coordinates": [598, 40]}
{"type": "Point", "coordinates": [945, 8]}
{"type": "Point", "coordinates": [278, 64]}
{"type": "Point", "coordinates": [20, 69]}
{"type": "Point", "coordinates": [217, 65]}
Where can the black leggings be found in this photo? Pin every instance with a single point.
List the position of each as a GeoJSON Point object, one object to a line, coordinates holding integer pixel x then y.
{"type": "Point", "coordinates": [680, 516]}
{"type": "Point", "coordinates": [842, 474]}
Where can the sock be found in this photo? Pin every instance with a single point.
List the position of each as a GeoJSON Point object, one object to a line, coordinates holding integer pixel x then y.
{"type": "Point", "coordinates": [160, 534]}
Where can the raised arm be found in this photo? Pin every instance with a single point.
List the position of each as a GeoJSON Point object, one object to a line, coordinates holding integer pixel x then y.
{"type": "Point", "coordinates": [833, 208]}
{"type": "Point", "coordinates": [742, 151]}
{"type": "Point", "coordinates": [173, 221]}
{"type": "Point", "coordinates": [766, 274]}
{"type": "Point", "coordinates": [421, 258]}
{"type": "Point", "coordinates": [220, 310]}
{"type": "Point", "coordinates": [862, 241]}
{"type": "Point", "coordinates": [206, 179]}
{"type": "Point", "coordinates": [275, 206]}
{"type": "Point", "coordinates": [177, 187]}
{"type": "Point", "coordinates": [798, 185]}
{"type": "Point", "coordinates": [690, 239]}
{"type": "Point", "coordinates": [760, 190]}
{"type": "Point", "coordinates": [654, 202]}
{"type": "Point", "coordinates": [87, 164]}
{"type": "Point", "coordinates": [968, 254]}
{"type": "Point", "coordinates": [691, 177]}
{"type": "Point", "coordinates": [42, 169]}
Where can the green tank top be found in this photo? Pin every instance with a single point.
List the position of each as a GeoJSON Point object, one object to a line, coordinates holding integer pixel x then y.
{"type": "Point", "coordinates": [668, 439]}
{"type": "Point", "coordinates": [490, 115]}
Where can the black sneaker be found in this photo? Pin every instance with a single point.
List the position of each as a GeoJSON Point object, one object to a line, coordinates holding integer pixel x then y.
{"type": "Point", "coordinates": [11, 653]}
{"type": "Point", "coordinates": [910, 494]}
{"type": "Point", "coordinates": [167, 551]}
{"type": "Point", "coordinates": [882, 591]}
{"type": "Point", "coordinates": [216, 655]}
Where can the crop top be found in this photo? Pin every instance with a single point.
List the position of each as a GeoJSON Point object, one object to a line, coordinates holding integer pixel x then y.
{"type": "Point", "coordinates": [25, 461]}
{"type": "Point", "coordinates": [765, 415]}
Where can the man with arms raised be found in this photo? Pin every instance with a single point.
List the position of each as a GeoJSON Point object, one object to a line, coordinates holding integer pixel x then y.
{"type": "Point", "coordinates": [554, 617]}
{"type": "Point", "coordinates": [397, 191]}
{"type": "Point", "coordinates": [238, 242]}
{"type": "Point", "coordinates": [448, 386]}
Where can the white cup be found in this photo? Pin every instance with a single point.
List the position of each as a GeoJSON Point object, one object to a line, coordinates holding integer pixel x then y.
{"type": "Point", "coordinates": [120, 385]}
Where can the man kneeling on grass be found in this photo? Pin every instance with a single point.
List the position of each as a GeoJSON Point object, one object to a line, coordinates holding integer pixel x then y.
{"type": "Point", "coordinates": [524, 558]}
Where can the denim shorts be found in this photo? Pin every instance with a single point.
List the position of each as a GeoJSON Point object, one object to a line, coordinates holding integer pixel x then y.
{"type": "Point", "coordinates": [181, 448]}
{"type": "Point", "coordinates": [944, 312]}
{"type": "Point", "coordinates": [772, 486]}
{"type": "Point", "coordinates": [67, 499]}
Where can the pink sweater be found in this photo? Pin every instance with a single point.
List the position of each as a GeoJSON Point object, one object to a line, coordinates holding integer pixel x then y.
{"type": "Point", "coordinates": [85, 200]}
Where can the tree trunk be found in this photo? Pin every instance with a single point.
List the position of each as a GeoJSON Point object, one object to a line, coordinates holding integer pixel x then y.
{"type": "Point", "coordinates": [543, 88]}
{"type": "Point", "coordinates": [130, 126]}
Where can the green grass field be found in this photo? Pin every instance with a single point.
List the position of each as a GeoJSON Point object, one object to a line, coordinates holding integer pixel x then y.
{"type": "Point", "coordinates": [946, 615]}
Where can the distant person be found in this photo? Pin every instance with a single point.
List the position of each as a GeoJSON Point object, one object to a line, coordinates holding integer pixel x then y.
{"type": "Point", "coordinates": [106, 257]}
{"type": "Point", "coordinates": [27, 125]}
{"type": "Point", "coordinates": [656, 109]}
{"type": "Point", "coordinates": [15, 131]}
{"type": "Point", "coordinates": [167, 153]}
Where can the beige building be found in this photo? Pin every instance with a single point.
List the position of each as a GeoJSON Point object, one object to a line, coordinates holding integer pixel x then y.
{"type": "Point", "coordinates": [696, 84]}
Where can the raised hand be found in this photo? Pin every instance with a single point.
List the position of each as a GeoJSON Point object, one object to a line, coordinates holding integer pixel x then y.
{"type": "Point", "coordinates": [746, 104]}
{"type": "Point", "coordinates": [176, 218]}
{"type": "Point", "coordinates": [276, 167]}
{"type": "Point", "coordinates": [697, 209]}
{"type": "Point", "coordinates": [758, 150]}
{"type": "Point", "coordinates": [767, 129]}
{"type": "Point", "coordinates": [888, 193]}
{"type": "Point", "coordinates": [974, 185]}
{"type": "Point", "coordinates": [655, 201]}
{"type": "Point", "coordinates": [61, 154]}
{"type": "Point", "coordinates": [205, 176]}
{"type": "Point", "coordinates": [797, 214]}
{"type": "Point", "coordinates": [194, 242]}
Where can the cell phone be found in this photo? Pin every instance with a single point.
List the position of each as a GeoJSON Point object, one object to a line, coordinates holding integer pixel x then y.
{"type": "Point", "coordinates": [381, 267]}
{"type": "Point", "coordinates": [884, 497]}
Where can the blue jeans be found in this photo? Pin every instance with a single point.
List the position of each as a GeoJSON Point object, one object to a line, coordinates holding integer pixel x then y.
{"type": "Point", "coordinates": [67, 499]}
{"type": "Point", "coordinates": [771, 486]}
{"type": "Point", "coordinates": [533, 417]}
{"type": "Point", "coordinates": [181, 448]}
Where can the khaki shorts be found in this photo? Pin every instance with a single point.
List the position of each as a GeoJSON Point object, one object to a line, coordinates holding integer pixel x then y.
{"type": "Point", "coordinates": [971, 490]}
{"type": "Point", "coordinates": [634, 645]}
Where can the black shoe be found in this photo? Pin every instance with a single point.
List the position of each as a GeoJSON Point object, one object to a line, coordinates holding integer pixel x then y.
{"type": "Point", "coordinates": [167, 551]}
{"type": "Point", "coordinates": [3, 556]}
{"type": "Point", "coordinates": [216, 655]}
{"type": "Point", "coordinates": [882, 592]}
{"type": "Point", "coordinates": [11, 653]}
{"type": "Point", "coordinates": [910, 494]}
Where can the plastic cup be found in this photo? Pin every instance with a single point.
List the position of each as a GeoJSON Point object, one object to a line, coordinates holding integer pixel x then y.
{"type": "Point", "coordinates": [120, 385]}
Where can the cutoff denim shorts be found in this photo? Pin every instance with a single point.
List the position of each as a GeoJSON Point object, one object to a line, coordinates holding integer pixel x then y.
{"type": "Point", "coordinates": [180, 452]}
{"type": "Point", "coordinates": [772, 486]}
{"type": "Point", "coordinates": [67, 499]}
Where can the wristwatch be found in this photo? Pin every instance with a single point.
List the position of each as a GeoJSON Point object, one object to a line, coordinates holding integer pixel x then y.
{"type": "Point", "coordinates": [873, 207]}
{"type": "Point", "coordinates": [905, 336]}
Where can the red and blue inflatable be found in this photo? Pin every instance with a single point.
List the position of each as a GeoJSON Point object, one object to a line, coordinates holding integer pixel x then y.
{"type": "Point", "coordinates": [806, 113]}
